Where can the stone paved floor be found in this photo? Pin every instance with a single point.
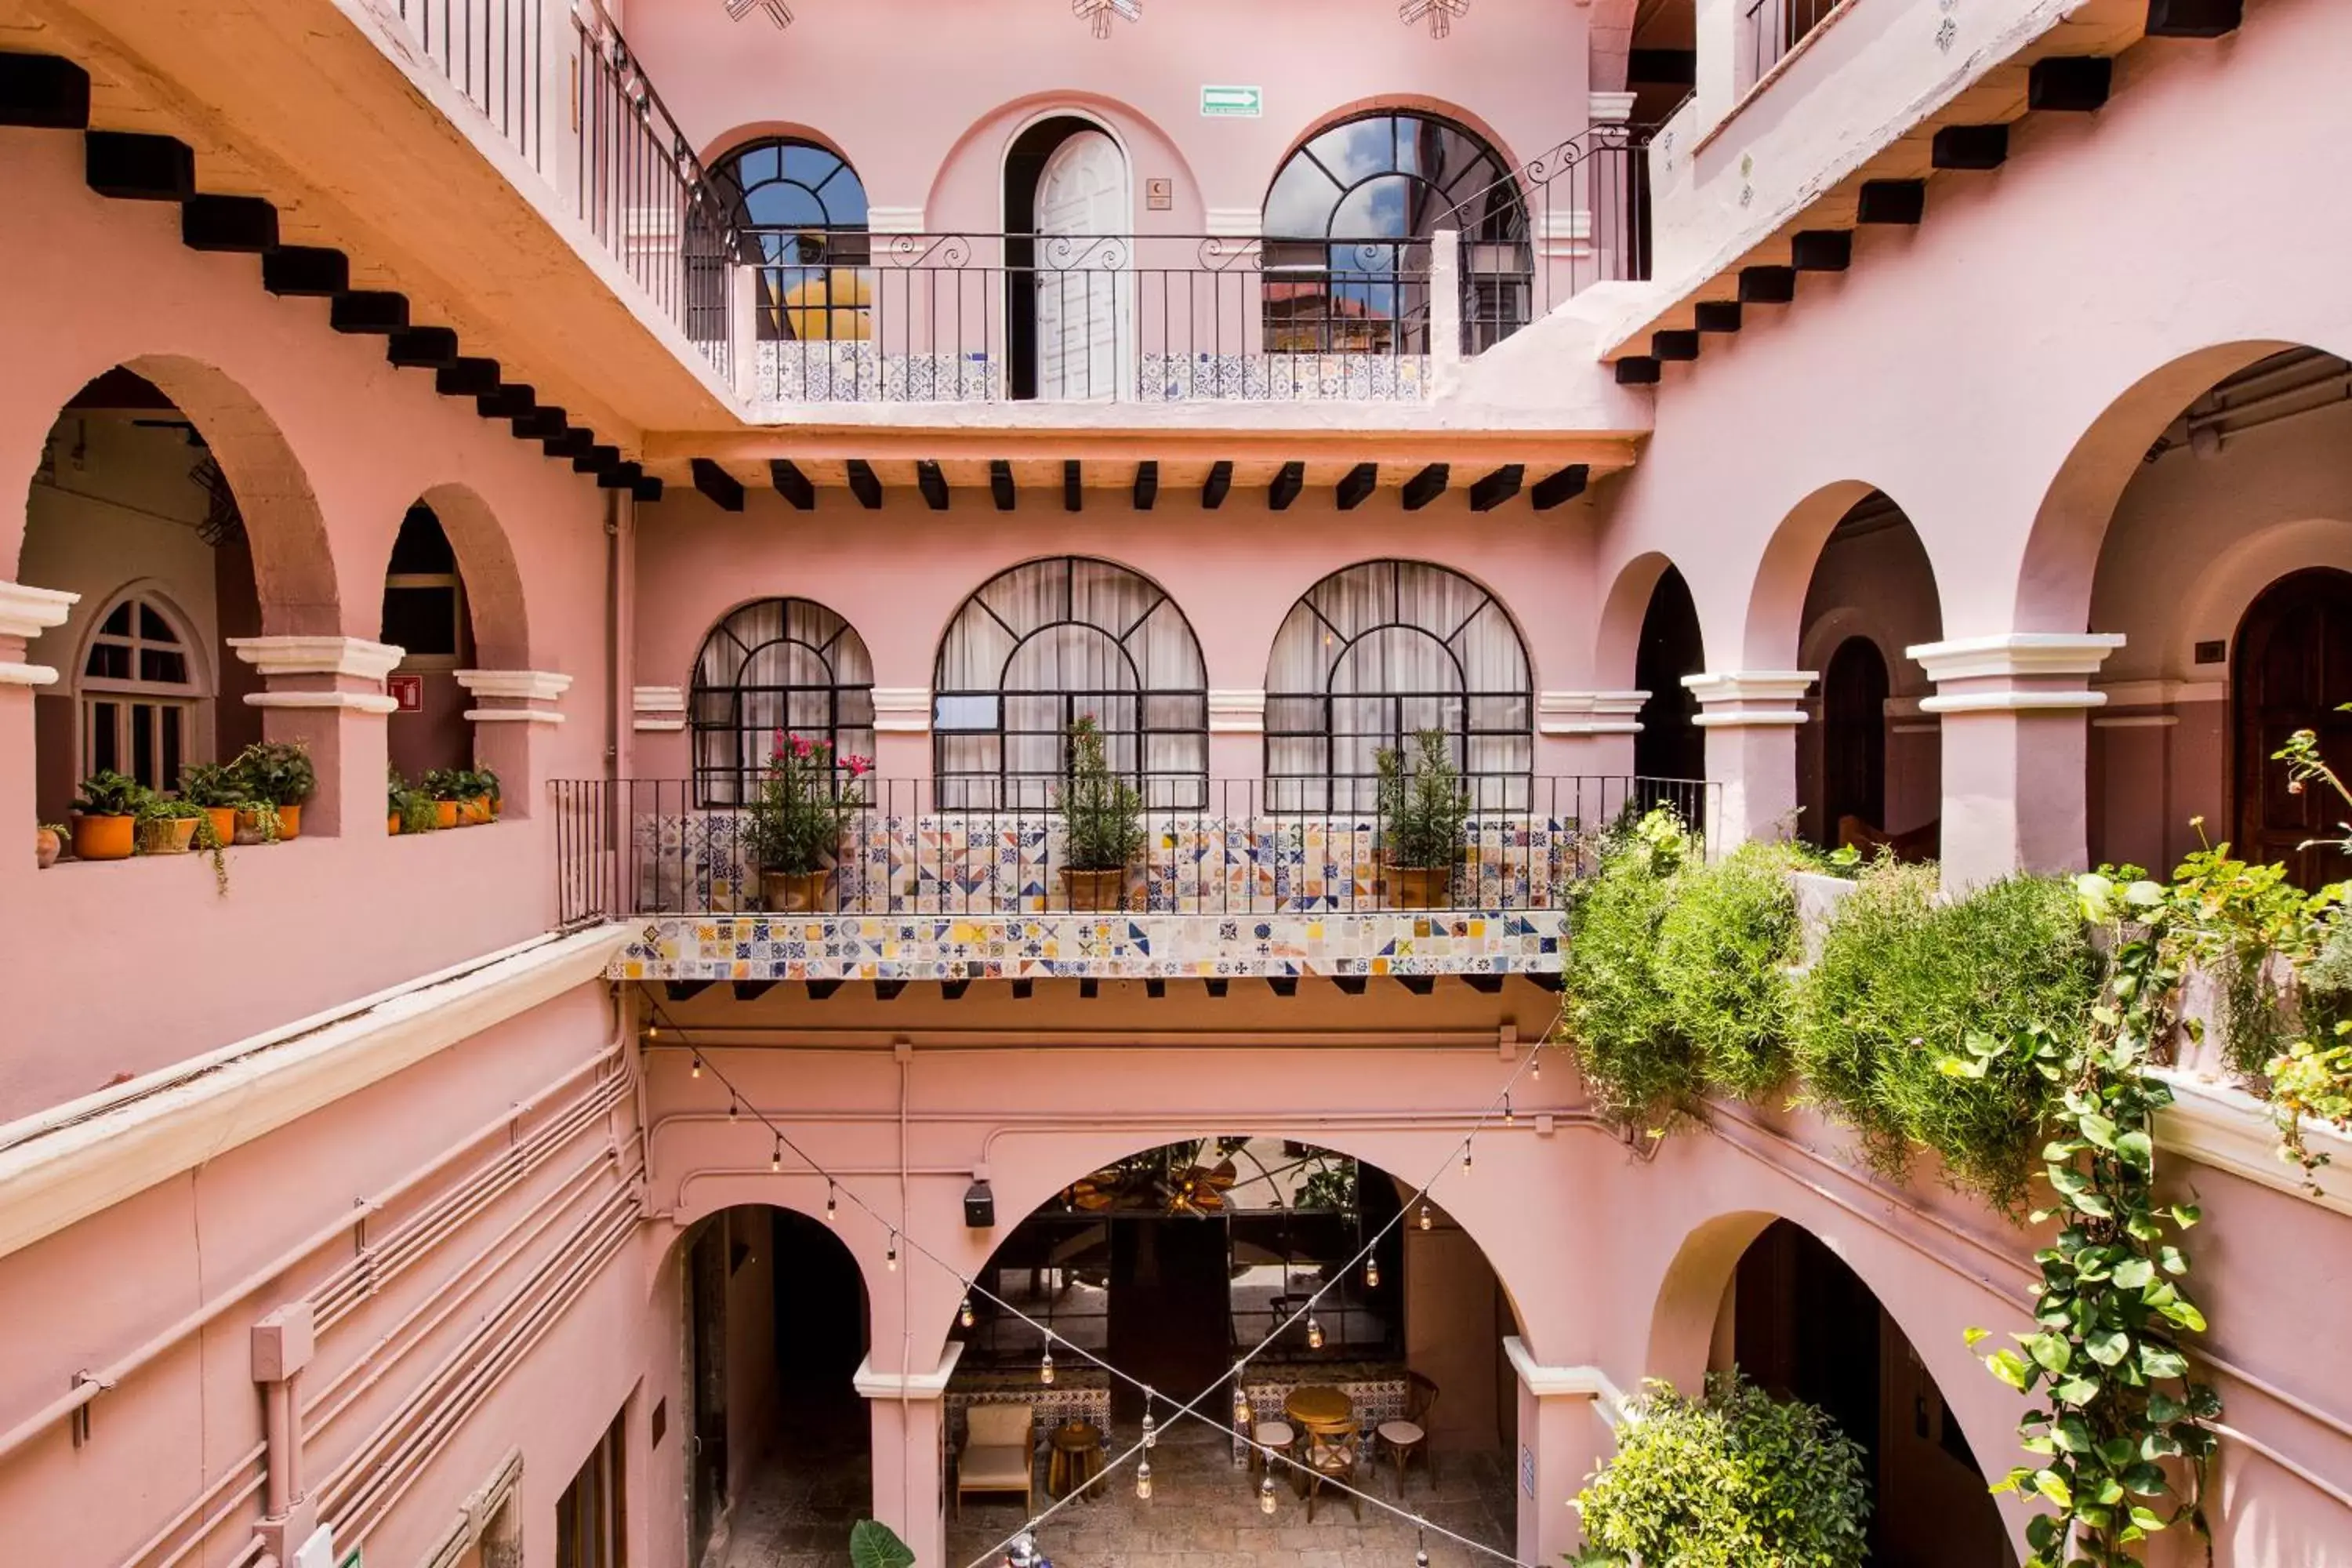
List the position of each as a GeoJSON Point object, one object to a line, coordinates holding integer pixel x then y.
{"type": "Point", "coordinates": [1204, 1514]}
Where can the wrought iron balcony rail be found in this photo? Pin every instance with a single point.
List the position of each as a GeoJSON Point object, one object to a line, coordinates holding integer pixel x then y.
{"type": "Point", "coordinates": [632, 848]}
{"type": "Point", "coordinates": [1576, 215]}
{"type": "Point", "coordinates": [1773, 27]}
{"type": "Point", "coordinates": [848, 316]}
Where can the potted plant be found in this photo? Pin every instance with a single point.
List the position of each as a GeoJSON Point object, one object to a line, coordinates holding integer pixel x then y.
{"type": "Point", "coordinates": [482, 803]}
{"type": "Point", "coordinates": [1102, 824]}
{"type": "Point", "coordinates": [167, 825]}
{"type": "Point", "coordinates": [794, 832]}
{"type": "Point", "coordinates": [105, 816]}
{"type": "Point", "coordinates": [276, 775]}
{"type": "Point", "coordinates": [1424, 818]}
{"type": "Point", "coordinates": [215, 786]}
{"type": "Point", "coordinates": [452, 792]}
{"type": "Point", "coordinates": [48, 843]}
{"type": "Point", "coordinates": [496, 799]}
{"type": "Point", "coordinates": [410, 809]}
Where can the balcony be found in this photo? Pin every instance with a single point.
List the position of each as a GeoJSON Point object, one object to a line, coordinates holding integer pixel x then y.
{"type": "Point", "coordinates": [1229, 888]}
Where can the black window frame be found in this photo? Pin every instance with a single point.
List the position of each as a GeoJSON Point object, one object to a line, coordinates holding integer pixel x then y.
{"type": "Point", "coordinates": [742, 777]}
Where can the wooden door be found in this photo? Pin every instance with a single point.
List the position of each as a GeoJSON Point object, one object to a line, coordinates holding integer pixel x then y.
{"type": "Point", "coordinates": [707, 1320]}
{"type": "Point", "coordinates": [1085, 348]}
{"type": "Point", "coordinates": [2290, 671]}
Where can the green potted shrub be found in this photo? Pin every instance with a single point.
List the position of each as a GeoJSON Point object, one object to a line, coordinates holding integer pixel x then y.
{"type": "Point", "coordinates": [276, 777]}
{"type": "Point", "coordinates": [792, 835]}
{"type": "Point", "coordinates": [167, 825]}
{"type": "Point", "coordinates": [452, 791]}
{"type": "Point", "coordinates": [216, 787]}
{"type": "Point", "coordinates": [1425, 820]}
{"type": "Point", "coordinates": [105, 816]}
{"type": "Point", "coordinates": [1102, 824]}
{"type": "Point", "coordinates": [483, 804]}
{"type": "Point", "coordinates": [407, 809]}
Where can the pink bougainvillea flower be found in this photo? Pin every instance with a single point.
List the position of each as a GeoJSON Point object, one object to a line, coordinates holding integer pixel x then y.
{"type": "Point", "coordinates": [800, 747]}
{"type": "Point", "coordinates": [858, 767]}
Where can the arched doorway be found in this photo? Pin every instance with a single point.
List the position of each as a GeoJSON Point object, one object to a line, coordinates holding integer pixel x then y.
{"type": "Point", "coordinates": [1853, 741]}
{"type": "Point", "coordinates": [1070, 292]}
{"type": "Point", "coordinates": [2290, 670]}
{"type": "Point", "coordinates": [1671, 744]}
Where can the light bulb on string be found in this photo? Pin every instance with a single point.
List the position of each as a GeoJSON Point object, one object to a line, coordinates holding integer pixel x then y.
{"type": "Point", "coordinates": [1372, 1273]}
{"type": "Point", "coordinates": [776, 1159]}
{"type": "Point", "coordinates": [1534, 1065]}
{"type": "Point", "coordinates": [1151, 1427]}
{"type": "Point", "coordinates": [653, 1031]}
{"type": "Point", "coordinates": [1510, 1117]}
{"type": "Point", "coordinates": [1267, 1501]}
{"type": "Point", "coordinates": [963, 1314]}
{"type": "Point", "coordinates": [1143, 1480]}
{"type": "Point", "coordinates": [1419, 1544]}
{"type": "Point", "coordinates": [1314, 1334]}
{"type": "Point", "coordinates": [1425, 1216]}
{"type": "Point", "coordinates": [730, 1105]}
{"type": "Point", "coordinates": [1046, 1365]}
{"type": "Point", "coordinates": [1466, 1156]}
{"type": "Point", "coordinates": [1241, 1406]}
{"type": "Point", "coordinates": [833, 1214]}
{"type": "Point", "coordinates": [893, 1254]}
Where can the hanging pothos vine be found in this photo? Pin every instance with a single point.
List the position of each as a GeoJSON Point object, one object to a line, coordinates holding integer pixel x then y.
{"type": "Point", "coordinates": [2118, 1434]}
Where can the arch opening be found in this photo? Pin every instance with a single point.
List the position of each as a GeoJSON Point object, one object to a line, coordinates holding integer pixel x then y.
{"type": "Point", "coordinates": [427, 616]}
{"type": "Point", "coordinates": [1671, 745]}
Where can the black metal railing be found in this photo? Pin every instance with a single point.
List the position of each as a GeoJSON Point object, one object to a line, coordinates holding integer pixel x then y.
{"type": "Point", "coordinates": [630, 847]}
{"type": "Point", "coordinates": [1576, 216]}
{"type": "Point", "coordinates": [494, 53]}
{"type": "Point", "coordinates": [1773, 27]}
{"type": "Point", "coordinates": [647, 198]}
{"type": "Point", "coordinates": [844, 316]}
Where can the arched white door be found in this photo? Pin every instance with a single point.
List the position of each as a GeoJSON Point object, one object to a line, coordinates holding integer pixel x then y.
{"type": "Point", "coordinates": [1084, 289]}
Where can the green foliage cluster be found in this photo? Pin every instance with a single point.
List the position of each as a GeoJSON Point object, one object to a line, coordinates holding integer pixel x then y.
{"type": "Point", "coordinates": [1424, 810]}
{"type": "Point", "coordinates": [1678, 972]}
{"type": "Point", "coordinates": [1733, 1480]}
{"type": "Point", "coordinates": [1102, 813]}
{"type": "Point", "coordinates": [110, 793]}
{"type": "Point", "coordinates": [459, 784]}
{"type": "Point", "coordinates": [1906, 986]}
{"type": "Point", "coordinates": [2247, 925]}
{"type": "Point", "coordinates": [412, 805]}
{"type": "Point", "coordinates": [276, 773]}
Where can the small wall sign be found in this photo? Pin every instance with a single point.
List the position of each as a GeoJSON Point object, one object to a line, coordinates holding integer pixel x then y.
{"type": "Point", "coordinates": [1526, 1469]}
{"type": "Point", "coordinates": [1233, 102]}
{"type": "Point", "coordinates": [1159, 194]}
{"type": "Point", "coordinates": [408, 691]}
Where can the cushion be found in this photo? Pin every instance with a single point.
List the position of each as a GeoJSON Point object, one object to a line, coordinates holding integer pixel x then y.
{"type": "Point", "coordinates": [993, 1467]}
{"type": "Point", "coordinates": [1339, 1458]}
{"type": "Point", "coordinates": [1403, 1434]}
{"type": "Point", "coordinates": [1274, 1434]}
{"type": "Point", "coordinates": [998, 1424]}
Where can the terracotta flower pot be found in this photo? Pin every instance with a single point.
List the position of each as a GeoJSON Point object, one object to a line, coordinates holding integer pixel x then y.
{"type": "Point", "coordinates": [47, 846]}
{"type": "Point", "coordinates": [104, 838]}
{"type": "Point", "coordinates": [249, 825]}
{"type": "Point", "coordinates": [392, 825]}
{"type": "Point", "coordinates": [444, 814]}
{"type": "Point", "coordinates": [795, 892]}
{"type": "Point", "coordinates": [290, 822]}
{"type": "Point", "coordinates": [1095, 889]}
{"type": "Point", "coordinates": [1420, 886]}
{"type": "Point", "coordinates": [224, 819]}
{"type": "Point", "coordinates": [166, 835]}
{"type": "Point", "coordinates": [478, 810]}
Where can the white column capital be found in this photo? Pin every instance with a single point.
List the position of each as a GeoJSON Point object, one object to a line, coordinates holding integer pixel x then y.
{"type": "Point", "coordinates": [902, 709]}
{"type": "Point", "coordinates": [26, 612]}
{"type": "Point", "coordinates": [521, 685]}
{"type": "Point", "coordinates": [2014, 672]}
{"type": "Point", "coordinates": [1610, 107]}
{"type": "Point", "coordinates": [657, 708]}
{"type": "Point", "coordinates": [1564, 1381]}
{"type": "Point", "coordinates": [1750, 699]}
{"type": "Point", "coordinates": [1590, 712]}
{"type": "Point", "coordinates": [354, 656]}
{"type": "Point", "coordinates": [875, 1383]}
{"type": "Point", "coordinates": [1236, 713]}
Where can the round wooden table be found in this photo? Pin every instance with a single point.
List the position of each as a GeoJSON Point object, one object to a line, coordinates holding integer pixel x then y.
{"type": "Point", "coordinates": [1076, 1457]}
{"type": "Point", "coordinates": [1317, 1408]}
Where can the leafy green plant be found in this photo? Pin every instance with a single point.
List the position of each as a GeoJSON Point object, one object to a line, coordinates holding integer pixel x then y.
{"type": "Point", "coordinates": [212, 785]}
{"type": "Point", "coordinates": [872, 1544]}
{"type": "Point", "coordinates": [1424, 809]}
{"type": "Point", "coordinates": [1736, 1480]}
{"type": "Point", "coordinates": [1725, 951]}
{"type": "Point", "coordinates": [1102, 813]}
{"type": "Point", "coordinates": [108, 794]}
{"type": "Point", "coordinates": [413, 806]}
{"type": "Point", "coordinates": [1642, 1071]}
{"type": "Point", "coordinates": [277, 772]}
{"type": "Point", "coordinates": [1904, 983]}
{"type": "Point", "coordinates": [180, 808]}
{"type": "Point", "coordinates": [2105, 1353]}
{"type": "Point", "coordinates": [449, 784]}
{"type": "Point", "coordinates": [2246, 924]}
{"type": "Point", "coordinates": [168, 808]}
{"type": "Point", "coordinates": [803, 806]}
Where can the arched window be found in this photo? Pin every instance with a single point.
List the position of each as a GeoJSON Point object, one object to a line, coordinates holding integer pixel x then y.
{"type": "Point", "coordinates": [139, 693]}
{"type": "Point", "coordinates": [800, 210]}
{"type": "Point", "coordinates": [1379, 652]}
{"type": "Point", "coordinates": [775, 664]}
{"type": "Point", "coordinates": [1347, 225]}
{"type": "Point", "coordinates": [1047, 644]}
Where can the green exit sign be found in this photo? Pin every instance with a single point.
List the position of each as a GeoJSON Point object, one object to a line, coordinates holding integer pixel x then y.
{"type": "Point", "coordinates": [1233, 102]}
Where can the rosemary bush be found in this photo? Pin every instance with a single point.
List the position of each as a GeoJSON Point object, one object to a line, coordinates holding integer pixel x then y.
{"type": "Point", "coordinates": [1102, 813]}
{"type": "Point", "coordinates": [1640, 1070]}
{"type": "Point", "coordinates": [1424, 810]}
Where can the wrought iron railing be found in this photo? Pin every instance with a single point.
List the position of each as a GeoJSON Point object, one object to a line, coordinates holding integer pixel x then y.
{"type": "Point", "coordinates": [1575, 216]}
{"type": "Point", "coordinates": [844, 316]}
{"type": "Point", "coordinates": [1773, 27]}
{"type": "Point", "coordinates": [630, 847]}
{"type": "Point", "coordinates": [494, 53]}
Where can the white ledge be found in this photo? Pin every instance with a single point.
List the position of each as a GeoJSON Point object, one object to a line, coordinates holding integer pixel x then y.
{"type": "Point", "coordinates": [1750, 686]}
{"type": "Point", "coordinates": [15, 674]}
{"type": "Point", "coordinates": [2015, 653]}
{"type": "Point", "coordinates": [353, 701]}
{"type": "Point", "coordinates": [1565, 1382]}
{"type": "Point", "coordinates": [512, 716]}
{"type": "Point", "coordinates": [657, 698]}
{"type": "Point", "coordinates": [2222, 1126]}
{"type": "Point", "coordinates": [2010, 700]}
{"type": "Point", "coordinates": [27, 612]}
{"type": "Point", "coordinates": [874, 1384]}
{"type": "Point", "coordinates": [902, 709]}
{"type": "Point", "coordinates": [1236, 713]}
{"type": "Point", "coordinates": [66, 1163]}
{"type": "Point", "coordinates": [319, 655]}
{"type": "Point", "coordinates": [523, 685]}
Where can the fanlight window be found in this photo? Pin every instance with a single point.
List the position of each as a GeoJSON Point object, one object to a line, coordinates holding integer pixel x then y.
{"type": "Point", "coordinates": [138, 694]}
{"type": "Point", "coordinates": [775, 664]}
{"type": "Point", "coordinates": [1379, 652]}
{"type": "Point", "coordinates": [1347, 225]}
{"type": "Point", "coordinates": [1047, 644]}
{"type": "Point", "coordinates": [799, 210]}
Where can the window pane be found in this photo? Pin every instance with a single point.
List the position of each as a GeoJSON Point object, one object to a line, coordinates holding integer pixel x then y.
{"type": "Point", "coordinates": [155, 628]}
{"type": "Point", "coordinates": [164, 665]}
{"type": "Point", "coordinates": [105, 729]}
{"type": "Point", "coordinates": [118, 623]}
{"type": "Point", "coordinates": [964, 712]}
{"type": "Point", "coordinates": [171, 719]}
{"type": "Point", "coordinates": [423, 621]}
{"type": "Point", "coordinates": [143, 743]}
{"type": "Point", "coordinates": [109, 661]}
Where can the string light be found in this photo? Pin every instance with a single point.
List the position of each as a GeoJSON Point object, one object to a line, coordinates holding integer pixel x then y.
{"type": "Point", "coordinates": [1267, 1501]}
{"type": "Point", "coordinates": [1419, 1543]}
{"type": "Point", "coordinates": [1534, 1065]}
{"type": "Point", "coordinates": [1466, 1156]}
{"type": "Point", "coordinates": [1143, 1479]}
{"type": "Point", "coordinates": [730, 1105]}
{"type": "Point", "coordinates": [653, 1031]}
{"type": "Point", "coordinates": [1424, 1215]}
{"type": "Point", "coordinates": [1241, 1406]}
{"type": "Point", "coordinates": [1314, 1334]}
{"type": "Point", "coordinates": [697, 1065]}
{"type": "Point", "coordinates": [963, 1314]}
{"type": "Point", "coordinates": [833, 1212]}
{"type": "Point", "coordinates": [1511, 1118]}
{"type": "Point", "coordinates": [1045, 1366]}
{"type": "Point", "coordinates": [776, 1159]}
{"type": "Point", "coordinates": [893, 1258]}
{"type": "Point", "coordinates": [1372, 1273]}
{"type": "Point", "coordinates": [1151, 1427]}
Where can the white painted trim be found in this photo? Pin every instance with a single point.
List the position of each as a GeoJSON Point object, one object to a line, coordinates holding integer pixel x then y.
{"type": "Point", "coordinates": [1565, 1382]}
{"type": "Point", "coordinates": [1236, 713]}
{"type": "Point", "coordinates": [1589, 712]}
{"type": "Point", "coordinates": [2228, 1128]}
{"type": "Point", "coordinates": [659, 699]}
{"type": "Point", "coordinates": [2014, 654]}
{"type": "Point", "coordinates": [894, 220]}
{"type": "Point", "coordinates": [1751, 719]}
{"type": "Point", "coordinates": [1610, 107]}
{"type": "Point", "coordinates": [351, 701]}
{"type": "Point", "coordinates": [2010, 700]}
{"type": "Point", "coordinates": [1751, 685]}
{"type": "Point", "coordinates": [1233, 223]}
{"type": "Point", "coordinates": [27, 612]}
{"type": "Point", "coordinates": [12, 674]}
{"type": "Point", "coordinates": [902, 709]}
{"type": "Point", "coordinates": [526, 685]}
{"type": "Point", "coordinates": [875, 1384]}
{"type": "Point", "coordinates": [67, 1162]}
{"type": "Point", "coordinates": [657, 726]}
{"type": "Point", "coordinates": [512, 716]}
{"type": "Point", "coordinates": [319, 655]}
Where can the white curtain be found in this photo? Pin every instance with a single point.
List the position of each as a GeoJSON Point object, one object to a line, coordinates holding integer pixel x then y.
{"type": "Point", "coordinates": [776, 663]}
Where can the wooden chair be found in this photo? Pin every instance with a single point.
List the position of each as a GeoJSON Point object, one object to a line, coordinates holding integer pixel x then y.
{"type": "Point", "coordinates": [1409, 1436]}
{"type": "Point", "coordinates": [999, 1453]}
{"type": "Point", "coordinates": [1277, 1436]}
{"type": "Point", "coordinates": [1332, 1456]}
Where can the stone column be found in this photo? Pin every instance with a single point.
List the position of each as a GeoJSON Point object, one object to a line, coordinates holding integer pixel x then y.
{"type": "Point", "coordinates": [1567, 1417]}
{"type": "Point", "coordinates": [910, 1419]}
{"type": "Point", "coordinates": [24, 613]}
{"type": "Point", "coordinates": [327, 693]}
{"type": "Point", "coordinates": [1751, 717]}
{"type": "Point", "coordinates": [514, 721]}
{"type": "Point", "coordinates": [2016, 749]}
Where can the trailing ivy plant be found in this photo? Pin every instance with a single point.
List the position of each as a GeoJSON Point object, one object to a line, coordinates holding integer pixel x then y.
{"type": "Point", "coordinates": [2313, 1076]}
{"type": "Point", "coordinates": [1642, 1071]}
{"type": "Point", "coordinates": [2119, 1447]}
{"type": "Point", "coordinates": [2246, 925]}
{"type": "Point", "coordinates": [1726, 948]}
{"type": "Point", "coordinates": [1732, 1480]}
